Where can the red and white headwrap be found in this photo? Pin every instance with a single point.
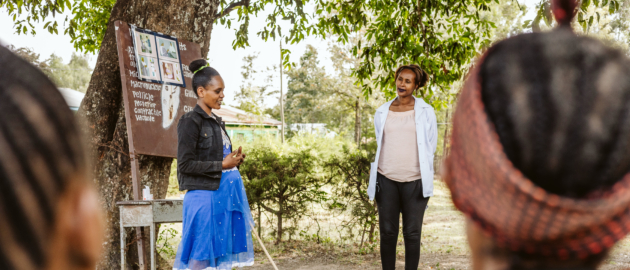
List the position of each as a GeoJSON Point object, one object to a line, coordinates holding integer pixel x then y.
{"type": "Point", "coordinates": [519, 215]}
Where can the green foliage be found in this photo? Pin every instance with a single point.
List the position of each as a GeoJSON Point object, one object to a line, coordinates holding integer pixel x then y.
{"type": "Point", "coordinates": [86, 26]}
{"type": "Point", "coordinates": [308, 98]}
{"type": "Point", "coordinates": [251, 96]}
{"type": "Point", "coordinates": [30, 56]}
{"type": "Point", "coordinates": [508, 17]}
{"type": "Point", "coordinates": [284, 179]}
{"type": "Point", "coordinates": [89, 24]}
{"type": "Point", "coordinates": [351, 171]}
{"type": "Point", "coordinates": [35, 11]}
{"type": "Point", "coordinates": [441, 36]}
{"type": "Point", "coordinates": [611, 28]}
{"type": "Point", "coordinates": [163, 243]}
{"type": "Point", "coordinates": [288, 10]}
{"type": "Point", "coordinates": [74, 75]}
{"type": "Point", "coordinates": [315, 96]}
{"type": "Point", "coordinates": [585, 19]}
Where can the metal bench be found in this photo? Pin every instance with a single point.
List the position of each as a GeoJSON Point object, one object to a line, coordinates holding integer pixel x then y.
{"type": "Point", "coordinates": [147, 214]}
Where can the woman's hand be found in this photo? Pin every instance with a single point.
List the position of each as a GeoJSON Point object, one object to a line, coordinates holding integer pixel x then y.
{"type": "Point", "coordinates": [232, 160]}
{"type": "Point", "coordinates": [243, 159]}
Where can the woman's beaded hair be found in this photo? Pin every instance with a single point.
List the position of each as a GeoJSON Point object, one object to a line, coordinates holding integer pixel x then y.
{"type": "Point", "coordinates": [40, 155]}
{"type": "Point", "coordinates": [203, 73]}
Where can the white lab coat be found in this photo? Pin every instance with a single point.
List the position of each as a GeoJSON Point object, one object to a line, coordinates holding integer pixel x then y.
{"type": "Point", "coordinates": [426, 133]}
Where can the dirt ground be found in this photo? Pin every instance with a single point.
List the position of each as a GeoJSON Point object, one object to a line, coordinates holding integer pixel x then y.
{"type": "Point", "coordinates": [444, 246]}
{"type": "Point", "coordinates": [363, 262]}
{"type": "Point", "coordinates": [372, 262]}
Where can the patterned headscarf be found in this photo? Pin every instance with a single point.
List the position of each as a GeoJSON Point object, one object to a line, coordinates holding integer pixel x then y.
{"type": "Point", "coordinates": [519, 215]}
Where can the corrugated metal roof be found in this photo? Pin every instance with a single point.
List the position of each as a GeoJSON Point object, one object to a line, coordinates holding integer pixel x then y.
{"type": "Point", "coordinates": [231, 115]}
{"type": "Point", "coordinates": [72, 97]}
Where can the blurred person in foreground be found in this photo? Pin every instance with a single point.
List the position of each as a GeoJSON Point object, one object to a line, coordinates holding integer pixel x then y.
{"type": "Point", "coordinates": [49, 213]}
{"type": "Point", "coordinates": [540, 151]}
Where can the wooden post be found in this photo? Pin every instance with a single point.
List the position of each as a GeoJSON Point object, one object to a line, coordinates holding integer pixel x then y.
{"type": "Point", "coordinates": [137, 195]}
{"type": "Point", "coordinates": [135, 167]}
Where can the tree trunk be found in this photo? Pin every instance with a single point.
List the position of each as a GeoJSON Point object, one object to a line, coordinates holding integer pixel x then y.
{"type": "Point", "coordinates": [447, 122]}
{"type": "Point", "coordinates": [357, 123]}
{"type": "Point", "coordinates": [103, 113]}
{"type": "Point", "coordinates": [279, 237]}
{"type": "Point", "coordinates": [363, 229]}
{"type": "Point", "coordinates": [371, 234]}
{"type": "Point", "coordinates": [373, 225]}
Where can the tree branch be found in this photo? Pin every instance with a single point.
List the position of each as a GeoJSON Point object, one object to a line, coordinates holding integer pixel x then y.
{"type": "Point", "coordinates": [231, 7]}
{"type": "Point", "coordinates": [271, 210]}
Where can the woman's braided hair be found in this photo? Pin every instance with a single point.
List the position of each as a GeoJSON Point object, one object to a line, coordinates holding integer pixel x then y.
{"type": "Point", "coordinates": [560, 104]}
{"type": "Point", "coordinates": [421, 76]}
{"type": "Point", "coordinates": [40, 156]}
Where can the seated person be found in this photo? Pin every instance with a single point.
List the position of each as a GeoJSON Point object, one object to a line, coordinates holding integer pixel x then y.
{"type": "Point", "coordinates": [539, 160]}
{"type": "Point", "coordinates": [49, 213]}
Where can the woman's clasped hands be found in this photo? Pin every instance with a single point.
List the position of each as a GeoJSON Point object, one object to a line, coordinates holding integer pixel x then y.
{"type": "Point", "coordinates": [234, 159]}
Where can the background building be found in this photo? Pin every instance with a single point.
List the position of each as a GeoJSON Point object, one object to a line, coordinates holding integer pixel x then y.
{"type": "Point", "coordinates": [243, 125]}
{"type": "Point", "coordinates": [238, 123]}
{"type": "Point", "coordinates": [72, 97]}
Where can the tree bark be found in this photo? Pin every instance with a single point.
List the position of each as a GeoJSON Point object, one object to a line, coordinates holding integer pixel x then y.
{"type": "Point", "coordinates": [102, 110]}
{"type": "Point", "coordinates": [357, 122]}
{"type": "Point", "coordinates": [373, 225]}
{"type": "Point", "coordinates": [279, 239]}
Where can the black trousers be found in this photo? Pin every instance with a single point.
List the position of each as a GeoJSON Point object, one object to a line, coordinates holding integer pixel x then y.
{"type": "Point", "coordinates": [392, 199]}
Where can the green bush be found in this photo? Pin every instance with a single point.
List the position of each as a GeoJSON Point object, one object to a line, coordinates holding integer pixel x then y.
{"type": "Point", "coordinates": [283, 179]}
{"type": "Point", "coordinates": [351, 171]}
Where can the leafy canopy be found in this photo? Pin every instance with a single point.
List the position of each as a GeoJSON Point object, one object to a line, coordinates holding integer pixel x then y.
{"type": "Point", "coordinates": [74, 75]}
{"type": "Point", "coordinates": [443, 36]}
{"type": "Point", "coordinates": [584, 19]}
{"type": "Point", "coordinates": [86, 27]}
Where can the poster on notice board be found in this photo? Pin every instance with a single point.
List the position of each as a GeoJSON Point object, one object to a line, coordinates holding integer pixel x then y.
{"type": "Point", "coordinates": [157, 57]}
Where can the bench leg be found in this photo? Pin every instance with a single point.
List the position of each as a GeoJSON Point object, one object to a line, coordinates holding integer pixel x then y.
{"type": "Point", "coordinates": [123, 236]}
{"type": "Point", "coordinates": [152, 246]}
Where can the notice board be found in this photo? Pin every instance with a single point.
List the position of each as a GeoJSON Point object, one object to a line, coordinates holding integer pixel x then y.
{"type": "Point", "coordinates": [153, 109]}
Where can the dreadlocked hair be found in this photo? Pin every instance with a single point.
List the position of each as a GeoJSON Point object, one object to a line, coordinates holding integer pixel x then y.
{"type": "Point", "coordinates": [40, 155]}
{"type": "Point", "coordinates": [202, 77]}
{"type": "Point", "coordinates": [421, 76]}
{"type": "Point", "coordinates": [560, 104]}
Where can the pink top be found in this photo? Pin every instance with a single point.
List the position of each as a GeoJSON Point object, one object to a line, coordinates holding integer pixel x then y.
{"type": "Point", "coordinates": [399, 157]}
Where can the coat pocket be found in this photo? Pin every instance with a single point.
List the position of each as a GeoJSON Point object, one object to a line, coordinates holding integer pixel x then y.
{"type": "Point", "coordinates": [205, 138]}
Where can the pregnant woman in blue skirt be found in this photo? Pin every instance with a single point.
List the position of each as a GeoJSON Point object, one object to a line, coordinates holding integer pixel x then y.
{"type": "Point", "coordinates": [217, 219]}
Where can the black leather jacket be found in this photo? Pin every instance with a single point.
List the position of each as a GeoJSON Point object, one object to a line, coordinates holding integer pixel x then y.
{"type": "Point", "coordinates": [199, 151]}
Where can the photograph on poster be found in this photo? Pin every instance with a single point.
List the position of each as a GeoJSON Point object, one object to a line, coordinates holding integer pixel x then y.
{"type": "Point", "coordinates": [167, 49]}
{"type": "Point", "coordinates": [170, 104]}
{"type": "Point", "coordinates": [145, 44]}
{"type": "Point", "coordinates": [149, 68]}
{"type": "Point", "coordinates": [171, 72]}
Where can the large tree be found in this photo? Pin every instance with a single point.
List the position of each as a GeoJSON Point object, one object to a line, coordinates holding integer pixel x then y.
{"type": "Point", "coordinates": [102, 109]}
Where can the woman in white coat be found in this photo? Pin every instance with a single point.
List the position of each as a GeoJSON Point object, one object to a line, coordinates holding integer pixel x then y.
{"type": "Point", "coordinates": [401, 176]}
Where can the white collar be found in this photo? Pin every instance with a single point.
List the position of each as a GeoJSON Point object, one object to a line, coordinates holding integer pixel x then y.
{"type": "Point", "coordinates": [419, 103]}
